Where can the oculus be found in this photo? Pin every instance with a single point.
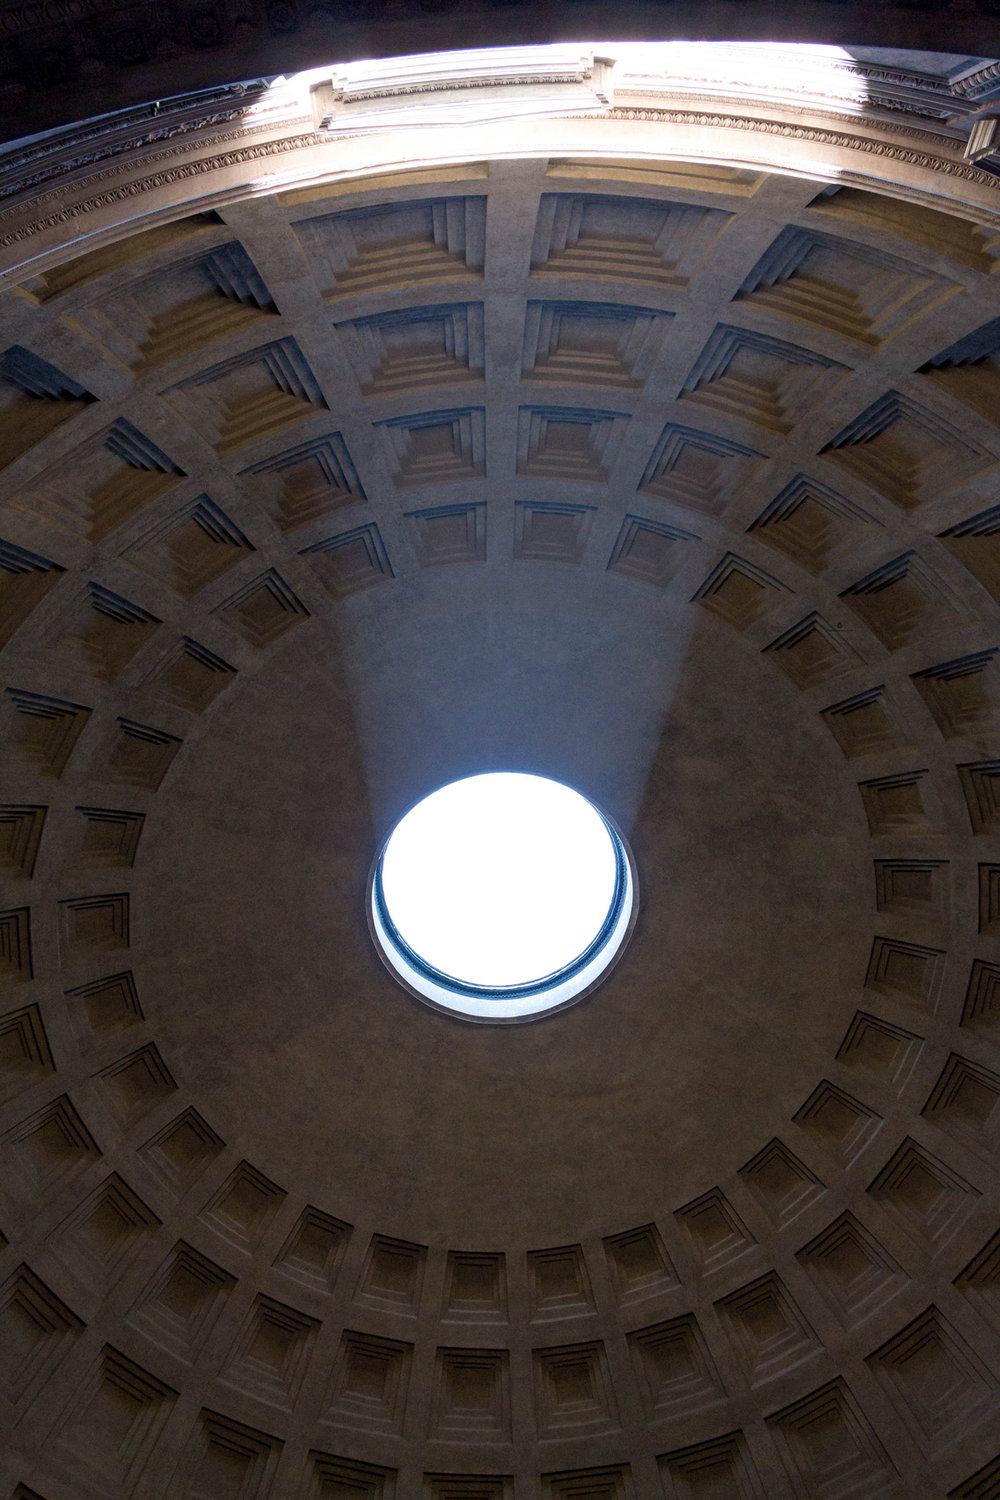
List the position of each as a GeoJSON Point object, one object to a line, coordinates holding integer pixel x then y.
{"type": "Point", "coordinates": [502, 897]}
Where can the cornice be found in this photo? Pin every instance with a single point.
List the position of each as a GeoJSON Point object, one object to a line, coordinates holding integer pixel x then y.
{"type": "Point", "coordinates": [867, 114]}
{"type": "Point", "coordinates": [280, 144]}
{"type": "Point", "coordinates": [447, 85]}
{"type": "Point", "coordinates": [62, 167]}
{"type": "Point", "coordinates": [950, 167]}
{"type": "Point", "coordinates": [154, 180]}
{"type": "Point", "coordinates": [188, 111]}
{"type": "Point", "coordinates": [982, 82]}
{"type": "Point", "coordinates": [163, 169]}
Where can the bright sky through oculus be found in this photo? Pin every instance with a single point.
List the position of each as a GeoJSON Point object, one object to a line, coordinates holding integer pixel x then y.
{"type": "Point", "coordinates": [500, 879]}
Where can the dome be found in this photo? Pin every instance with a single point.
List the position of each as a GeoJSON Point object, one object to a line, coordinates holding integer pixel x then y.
{"type": "Point", "coordinates": [625, 415]}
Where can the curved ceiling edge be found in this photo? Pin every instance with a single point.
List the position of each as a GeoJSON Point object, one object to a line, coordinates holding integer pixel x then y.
{"type": "Point", "coordinates": [55, 205]}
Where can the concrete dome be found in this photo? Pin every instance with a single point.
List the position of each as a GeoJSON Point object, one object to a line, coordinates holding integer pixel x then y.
{"type": "Point", "coordinates": [632, 424]}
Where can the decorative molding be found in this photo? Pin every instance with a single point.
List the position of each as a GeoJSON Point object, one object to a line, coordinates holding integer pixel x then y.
{"type": "Point", "coordinates": [157, 179]}
{"type": "Point", "coordinates": [817, 135]}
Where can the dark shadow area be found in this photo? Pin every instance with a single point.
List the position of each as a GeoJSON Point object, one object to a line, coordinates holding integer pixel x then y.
{"type": "Point", "coordinates": [77, 59]}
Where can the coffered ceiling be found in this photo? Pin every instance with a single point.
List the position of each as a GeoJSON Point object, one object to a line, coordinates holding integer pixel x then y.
{"type": "Point", "coordinates": [666, 469]}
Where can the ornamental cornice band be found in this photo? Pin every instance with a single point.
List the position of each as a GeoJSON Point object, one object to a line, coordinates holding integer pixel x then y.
{"type": "Point", "coordinates": [184, 148]}
{"type": "Point", "coordinates": [810, 133]}
{"type": "Point", "coordinates": [237, 157]}
{"type": "Point", "coordinates": [157, 179]}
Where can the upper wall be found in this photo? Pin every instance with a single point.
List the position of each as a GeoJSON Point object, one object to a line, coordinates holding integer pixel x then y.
{"type": "Point", "coordinates": [71, 59]}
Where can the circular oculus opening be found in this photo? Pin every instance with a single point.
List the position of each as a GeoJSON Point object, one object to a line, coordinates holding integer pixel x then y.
{"type": "Point", "coordinates": [502, 896]}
